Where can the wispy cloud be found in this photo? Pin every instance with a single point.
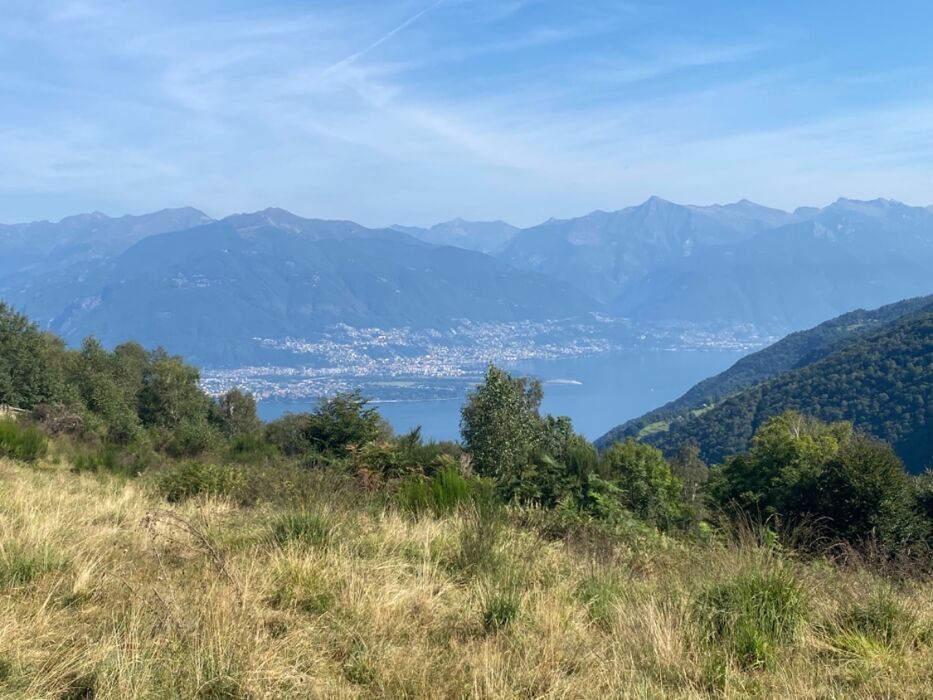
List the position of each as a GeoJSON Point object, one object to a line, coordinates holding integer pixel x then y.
{"type": "Point", "coordinates": [357, 55]}
{"type": "Point", "coordinates": [482, 108]}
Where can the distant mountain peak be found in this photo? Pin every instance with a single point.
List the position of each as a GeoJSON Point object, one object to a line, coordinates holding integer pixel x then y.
{"type": "Point", "coordinates": [83, 218]}
{"type": "Point", "coordinates": [655, 201]}
{"type": "Point", "coordinates": [270, 217]}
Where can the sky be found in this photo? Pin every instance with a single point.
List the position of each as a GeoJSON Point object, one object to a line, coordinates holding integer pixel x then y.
{"type": "Point", "coordinates": [414, 112]}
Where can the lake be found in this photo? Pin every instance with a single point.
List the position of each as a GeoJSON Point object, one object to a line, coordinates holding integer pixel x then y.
{"type": "Point", "coordinates": [597, 392]}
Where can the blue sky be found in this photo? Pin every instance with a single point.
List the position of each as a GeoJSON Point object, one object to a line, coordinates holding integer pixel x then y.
{"type": "Point", "coordinates": [420, 111]}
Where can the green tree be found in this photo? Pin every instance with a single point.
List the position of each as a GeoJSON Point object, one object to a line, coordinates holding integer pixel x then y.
{"type": "Point", "coordinates": [288, 433]}
{"type": "Point", "coordinates": [855, 488]}
{"type": "Point", "coordinates": [864, 492]}
{"type": "Point", "coordinates": [501, 429]}
{"type": "Point", "coordinates": [95, 375]}
{"type": "Point", "coordinates": [31, 362]}
{"type": "Point", "coordinates": [692, 471]}
{"type": "Point", "coordinates": [234, 414]}
{"type": "Point", "coordinates": [170, 393]}
{"type": "Point", "coordinates": [645, 484]}
{"type": "Point", "coordinates": [778, 475]}
{"type": "Point", "coordinates": [341, 422]}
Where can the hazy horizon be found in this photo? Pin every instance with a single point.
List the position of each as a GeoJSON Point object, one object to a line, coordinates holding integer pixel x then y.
{"type": "Point", "coordinates": [311, 215]}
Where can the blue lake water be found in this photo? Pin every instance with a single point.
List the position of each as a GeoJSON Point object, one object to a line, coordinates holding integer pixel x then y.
{"type": "Point", "coordinates": [597, 392]}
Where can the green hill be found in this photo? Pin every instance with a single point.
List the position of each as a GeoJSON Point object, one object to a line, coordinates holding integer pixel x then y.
{"type": "Point", "coordinates": [881, 381]}
{"type": "Point", "coordinates": [795, 351]}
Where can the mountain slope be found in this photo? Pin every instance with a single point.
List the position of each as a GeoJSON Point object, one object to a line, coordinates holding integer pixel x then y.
{"type": "Point", "coordinates": [849, 254]}
{"type": "Point", "coordinates": [209, 292]}
{"type": "Point", "coordinates": [882, 382]}
{"type": "Point", "coordinates": [483, 236]}
{"type": "Point", "coordinates": [795, 351]}
{"type": "Point", "coordinates": [604, 253]}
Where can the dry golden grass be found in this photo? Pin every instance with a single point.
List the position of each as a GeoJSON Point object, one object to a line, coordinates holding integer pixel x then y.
{"type": "Point", "coordinates": [107, 592]}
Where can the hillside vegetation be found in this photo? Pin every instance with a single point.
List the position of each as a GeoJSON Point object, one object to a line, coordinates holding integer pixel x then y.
{"type": "Point", "coordinates": [882, 383]}
{"type": "Point", "coordinates": [795, 351]}
{"type": "Point", "coordinates": [328, 590]}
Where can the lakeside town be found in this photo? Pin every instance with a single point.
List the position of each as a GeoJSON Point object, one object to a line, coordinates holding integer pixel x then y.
{"type": "Point", "coordinates": [395, 363]}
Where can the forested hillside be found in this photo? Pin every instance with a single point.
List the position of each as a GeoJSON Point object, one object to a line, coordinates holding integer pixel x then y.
{"type": "Point", "coordinates": [795, 351]}
{"type": "Point", "coordinates": [883, 383]}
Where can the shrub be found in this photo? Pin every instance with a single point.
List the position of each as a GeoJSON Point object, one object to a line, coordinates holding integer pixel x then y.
{"type": "Point", "coordinates": [287, 433]}
{"type": "Point", "coordinates": [23, 442]}
{"type": "Point", "coordinates": [645, 484]}
{"type": "Point", "coordinates": [252, 448]}
{"type": "Point", "coordinates": [753, 615]}
{"type": "Point", "coordinates": [342, 422]}
{"type": "Point", "coordinates": [190, 438]}
{"type": "Point", "coordinates": [130, 460]}
{"type": "Point", "coordinates": [196, 478]}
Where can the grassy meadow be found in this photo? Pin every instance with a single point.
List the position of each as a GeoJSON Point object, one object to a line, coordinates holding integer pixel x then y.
{"type": "Point", "coordinates": [318, 587]}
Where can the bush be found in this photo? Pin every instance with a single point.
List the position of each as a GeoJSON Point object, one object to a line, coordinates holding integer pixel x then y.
{"type": "Point", "coordinates": [645, 484]}
{"type": "Point", "coordinates": [23, 442]}
{"type": "Point", "coordinates": [477, 545]}
{"type": "Point", "coordinates": [753, 615]}
{"type": "Point", "coordinates": [130, 460]}
{"type": "Point", "coordinates": [196, 479]}
{"type": "Point", "coordinates": [805, 470]}
{"type": "Point", "coordinates": [865, 493]}
{"type": "Point", "coordinates": [252, 448]}
{"type": "Point", "coordinates": [191, 438]}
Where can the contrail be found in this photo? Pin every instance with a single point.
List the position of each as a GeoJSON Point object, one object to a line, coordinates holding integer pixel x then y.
{"type": "Point", "coordinates": [352, 58]}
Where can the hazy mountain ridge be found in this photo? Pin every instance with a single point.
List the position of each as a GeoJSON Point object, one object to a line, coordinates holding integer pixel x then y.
{"type": "Point", "coordinates": [85, 236]}
{"type": "Point", "coordinates": [482, 236]}
{"type": "Point", "coordinates": [850, 254]}
{"type": "Point", "coordinates": [206, 292]}
{"type": "Point", "coordinates": [603, 253]}
{"type": "Point", "coordinates": [715, 266]}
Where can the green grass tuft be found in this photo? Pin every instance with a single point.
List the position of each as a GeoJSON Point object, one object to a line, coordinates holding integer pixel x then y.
{"type": "Point", "coordinates": [23, 442]}
{"type": "Point", "coordinates": [753, 615]}
{"type": "Point", "coordinates": [302, 528]}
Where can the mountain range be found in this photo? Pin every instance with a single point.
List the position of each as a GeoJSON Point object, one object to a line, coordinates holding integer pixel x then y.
{"type": "Point", "coordinates": [605, 253]}
{"type": "Point", "coordinates": [208, 288]}
{"type": "Point", "coordinates": [873, 368]}
{"type": "Point", "coordinates": [207, 292]}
